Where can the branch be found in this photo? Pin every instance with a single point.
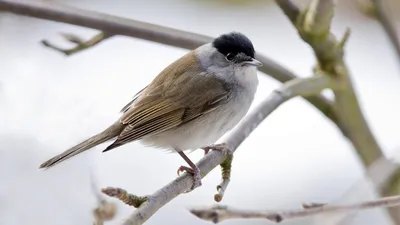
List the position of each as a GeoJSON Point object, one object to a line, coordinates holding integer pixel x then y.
{"type": "Point", "coordinates": [329, 53]}
{"type": "Point", "coordinates": [114, 25]}
{"type": "Point", "coordinates": [218, 214]}
{"type": "Point", "coordinates": [388, 24]}
{"type": "Point", "coordinates": [80, 44]}
{"type": "Point", "coordinates": [298, 87]}
{"type": "Point", "coordinates": [290, 9]}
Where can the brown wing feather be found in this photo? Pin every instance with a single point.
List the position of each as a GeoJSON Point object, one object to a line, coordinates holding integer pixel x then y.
{"type": "Point", "coordinates": [158, 125]}
{"type": "Point", "coordinates": [164, 105]}
{"type": "Point", "coordinates": [127, 106]}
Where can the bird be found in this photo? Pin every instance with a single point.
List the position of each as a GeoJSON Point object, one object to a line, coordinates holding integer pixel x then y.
{"type": "Point", "coordinates": [189, 105]}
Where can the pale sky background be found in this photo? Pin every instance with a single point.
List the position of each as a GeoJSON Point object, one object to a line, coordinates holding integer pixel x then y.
{"type": "Point", "coordinates": [50, 102]}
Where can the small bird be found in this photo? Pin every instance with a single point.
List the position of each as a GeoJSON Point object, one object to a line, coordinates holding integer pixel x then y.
{"type": "Point", "coordinates": [189, 105]}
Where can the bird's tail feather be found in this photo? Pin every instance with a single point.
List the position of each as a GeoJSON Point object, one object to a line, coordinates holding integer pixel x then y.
{"type": "Point", "coordinates": [109, 133]}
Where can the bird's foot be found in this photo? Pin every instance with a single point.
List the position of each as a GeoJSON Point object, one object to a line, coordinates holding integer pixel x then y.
{"type": "Point", "coordinates": [196, 175]}
{"type": "Point", "coordinates": [223, 148]}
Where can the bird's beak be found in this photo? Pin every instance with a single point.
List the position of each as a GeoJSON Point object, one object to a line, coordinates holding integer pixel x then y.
{"type": "Point", "coordinates": [254, 62]}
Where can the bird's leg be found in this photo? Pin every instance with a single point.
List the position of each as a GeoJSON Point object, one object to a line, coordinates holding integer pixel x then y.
{"type": "Point", "coordinates": [193, 169]}
{"type": "Point", "coordinates": [223, 148]}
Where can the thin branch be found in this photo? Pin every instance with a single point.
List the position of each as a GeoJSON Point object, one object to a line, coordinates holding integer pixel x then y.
{"type": "Point", "coordinates": [80, 44]}
{"type": "Point", "coordinates": [312, 205]}
{"type": "Point", "coordinates": [290, 9]}
{"type": "Point", "coordinates": [298, 87]}
{"type": "Point", "coordinates": [105, 22]}
{"type": "Point", "coordinates": [226, 169]}
{"type": "Point", "coordinates": [218, 214]}
{"type": "Point", "coordinates": [147, 31]}
{"type": "Point", "coordinates": [124, 196]}
{"type": "Point", "coordinates": [384, 17]}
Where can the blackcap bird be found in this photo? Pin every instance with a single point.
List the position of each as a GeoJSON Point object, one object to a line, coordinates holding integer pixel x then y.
{"type": "Point", "coordinates": [189, 105]}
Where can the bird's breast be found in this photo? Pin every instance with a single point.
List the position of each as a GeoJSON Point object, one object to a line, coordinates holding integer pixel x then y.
{"type": "Point", "coordinates": [208, 128]}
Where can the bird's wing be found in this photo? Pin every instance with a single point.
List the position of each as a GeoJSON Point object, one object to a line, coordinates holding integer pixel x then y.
{"type": "Point", "coordinates": [164, 105]}
{"type": "Point", "coordinates": [136, 96]}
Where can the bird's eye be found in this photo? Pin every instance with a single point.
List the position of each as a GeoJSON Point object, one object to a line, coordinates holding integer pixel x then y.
{"type": "Point", "coordinates": [230, 56]}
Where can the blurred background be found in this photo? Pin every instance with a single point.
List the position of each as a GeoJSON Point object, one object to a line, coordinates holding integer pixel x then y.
{"type": "Point", "coordinates": [49, 102]}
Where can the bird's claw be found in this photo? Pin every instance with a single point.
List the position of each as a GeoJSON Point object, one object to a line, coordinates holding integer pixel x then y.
{"type": "Point", "coordinates": [184, 169]}
{"type": "Point", "coordinates": [223, 148]}
{"type": "Point", "coordinates": [196, 176]}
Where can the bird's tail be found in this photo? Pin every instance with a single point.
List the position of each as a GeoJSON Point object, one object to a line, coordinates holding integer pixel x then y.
{"type": "Point", "coordinates": [109, 133]}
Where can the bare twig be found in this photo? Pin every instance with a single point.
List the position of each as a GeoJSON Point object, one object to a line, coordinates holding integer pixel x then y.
{"type": "Point", "coordinates": [298, 87]}
{"type": "Point", "coordinates": [80, 44]}
{"type": "Point", "coordinates": [384, 17]}
{"type": "Point", "coordinates": [226, 168]}
{"type": "Point", "coordinates": [218, 214]}
{"type": "Point", "coordinates": [124, 196]}
{"type": "Point", "coordinates": [151, 32]}
{"type": "Point", "coordinates": [290, 9]}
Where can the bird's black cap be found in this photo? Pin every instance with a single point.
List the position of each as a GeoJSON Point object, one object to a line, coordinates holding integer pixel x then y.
{"type": "Point", "coordinates": [234, 43]}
